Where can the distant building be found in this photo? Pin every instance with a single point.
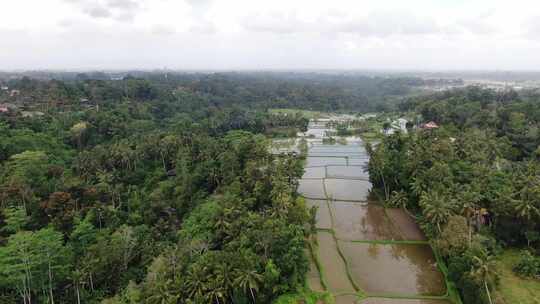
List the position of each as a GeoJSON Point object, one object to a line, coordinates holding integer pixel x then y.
{"type": "Point", "coordinates": [7, 107]}
{"type": "Point", "coordinates": [4, 88]}
{"type": "Point", "coordinates": [429, 126]}
{"type": "Point", "coordinates": [31, 113]}
{"type": "Point", "coordinates": [14, 93]}
{"type": "Point", "coordinates": [399, 124]}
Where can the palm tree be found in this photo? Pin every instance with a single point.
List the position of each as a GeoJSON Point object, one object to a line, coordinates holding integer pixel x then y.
{"type": "Point", "coordinates": [484, 271]}
{"type": "Point", "coordinates": [248, 280]}
{"type": "Point", "coordinates": [215, 292]}
{"type": "Point", "coordinates": [437, 208]}
{"type": "Point", "coordinates": [222, 224]}
{"type": "Point", "coordinates": [162, 293]}
{"type": "Point", "coordinates": [196, 283]}
{"type": "Point", "coordinates": [526, 209]}
{"type": "Point", "coordinates": [527, 204]}
{"type": "Point", "coordinates": [224, 276]}
{"type": "Point", "coordinates": [469, 200]}
{"type": "Point", "coordinates": [398, 199]}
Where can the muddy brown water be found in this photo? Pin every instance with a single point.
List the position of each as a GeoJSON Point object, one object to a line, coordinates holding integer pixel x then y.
{"type": "Point", "coordinates": [347, 189]}
{"type": "Point", "coordinates": [362, 222]}
{"type": "Point", "coordinates": [346, 299]}
{"type": "Point", "coordinates": [324, 221]}
{"type": "Point", "coordinates": [332, 264]}
{"type": "Point", "coordinates": [405, 224]}
{"type": "Point", "coordinates": [394, 269]}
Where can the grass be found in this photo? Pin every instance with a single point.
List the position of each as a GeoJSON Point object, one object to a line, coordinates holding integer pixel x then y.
{"type": "Point", "coordinates": [513, 289]}
{"type": "Point", "coordinates": [305, 296]}
{"type": "Point", "coordinates": [371, 136]}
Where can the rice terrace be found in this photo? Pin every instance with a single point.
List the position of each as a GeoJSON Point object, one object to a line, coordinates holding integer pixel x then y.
{"type": "Point", "coordinates": [362, 252]}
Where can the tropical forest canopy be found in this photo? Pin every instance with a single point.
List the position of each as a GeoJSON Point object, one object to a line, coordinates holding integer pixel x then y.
{"type": "Point", "coordinates": [138, 191]}
{"type": "Point", "coordinates": [473, 183]}
{"type": "Point", "coordinates": [160, 187]}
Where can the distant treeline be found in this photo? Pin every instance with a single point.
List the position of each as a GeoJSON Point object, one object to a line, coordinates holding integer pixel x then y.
{"type": "Point", "coordinates": [312, 91]}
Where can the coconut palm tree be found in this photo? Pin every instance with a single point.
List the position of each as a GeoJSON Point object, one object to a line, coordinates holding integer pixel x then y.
{"type": "Point", "coordinates": [162, 293]}
{"type": "Point", "coordinates": [468, 199]}
{"type": "Point", "coordinates": [484, 271]}
{"type": "Point", "coordinates": [196, 283]}
{"type": "Point", "coordinates": [224, 276]}
{"type": "Point", "coordinates": [436, 208]}
{"type": "Point", "coordinates": [248, 280]}
{"type": "Point", "coordinates": [526, 209]}
{"type": "Point", "coordinates": [527, 205]}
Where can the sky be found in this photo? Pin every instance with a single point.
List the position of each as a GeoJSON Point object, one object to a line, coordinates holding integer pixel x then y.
{"type": "Point", "coordinates": [270, 34]}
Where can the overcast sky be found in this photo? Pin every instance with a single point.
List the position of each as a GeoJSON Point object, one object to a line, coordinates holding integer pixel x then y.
{"type": "Point", "coordinates": [270, 34]}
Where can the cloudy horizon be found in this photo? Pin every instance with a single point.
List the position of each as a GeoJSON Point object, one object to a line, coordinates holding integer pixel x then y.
{"type": "Point", "coordinates": [264, 35]}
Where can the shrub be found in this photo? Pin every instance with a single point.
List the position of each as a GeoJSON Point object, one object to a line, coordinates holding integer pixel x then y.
{"type": "Point", "coordinates": [528, 265]}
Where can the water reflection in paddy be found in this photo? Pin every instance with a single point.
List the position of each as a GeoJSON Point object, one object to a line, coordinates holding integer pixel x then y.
{"type": "Point", "coordinates": [346, 299]}
{"type": "Point", "coordinates": [347, 189]}
{"type": "Point", "coordinates": [311, 188]}
{"type": "Point", "coordinates": [314, 172]}
{"type": "Point", "coordinates": [405, 224]}
{"type": "Point", "coordinates": [362, 222]}
{"type": "Point", "coordinates": [358, 161]}
{"type": "Point", "coordinates": [347, 172]}
{"type": "Point", "coordinates": [323, 161]}
{"type": "Point", "coordinates": [394, 269]}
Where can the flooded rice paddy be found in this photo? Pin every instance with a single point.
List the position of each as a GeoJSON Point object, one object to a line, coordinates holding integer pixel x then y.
{"type": "Point", "coordinates": [324, 220]}
{"type": "Point", "coordinates": [312, 188]}
{"type": "Point", "coordinates": [405, 224]}
{"type": "Point", "coordinates": [334, 267]}
{"type": "Point", "coordinates": [362, 222]}
{"type": "Point", "coordinates": [394, 268]}
{"type": "Point", "coordinates": [321, 161]}
{"type": "Point", "coordinates": [314, 172]}
{"type": "Point", "coordinates": [347, 189]}
{"type": "Point", "coordinates": [346, 172]}
{"type": "Point", "coordinates": [367, 254]}
{"type": "Point", "coordinates": [346, 299]}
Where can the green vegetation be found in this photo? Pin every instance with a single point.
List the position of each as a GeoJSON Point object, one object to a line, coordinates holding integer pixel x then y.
{"type": "Point", "coordinates": [473, 183]}
{"type": "Point", "coordinates": [513, 288]}
{"type": "Point", "coordinates": [528, 265]}
{"type": "Point", "coordinates": [307, 297]}
{"type": "Point", "coordinates": [135, 191]}
{"type": "Point", "coordinates": [156, 189]}
{"type": "Point", "coordinates": [304, 113]}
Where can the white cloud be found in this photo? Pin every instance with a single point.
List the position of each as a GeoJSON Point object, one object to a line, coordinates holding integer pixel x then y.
{"type": "Point", "coordinates": [479, 34]}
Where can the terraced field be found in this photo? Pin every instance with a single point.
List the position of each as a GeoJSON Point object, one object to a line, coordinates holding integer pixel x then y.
{"type": "Point", "coordinates": [364, 253]}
